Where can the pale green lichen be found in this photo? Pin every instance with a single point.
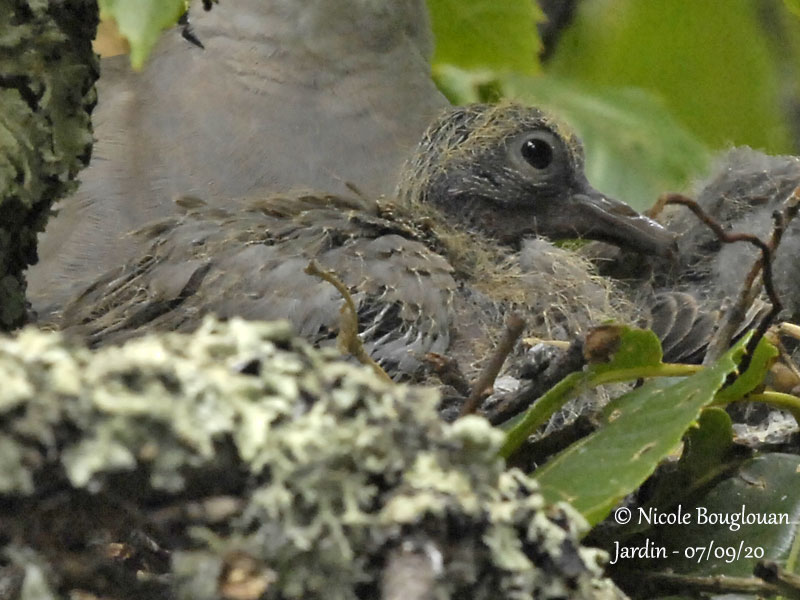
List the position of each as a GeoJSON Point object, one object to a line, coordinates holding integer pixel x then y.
{"type": "Point", "coordinates": [339, 469]}
{"type": "Point", "coordinates": [47, 74]}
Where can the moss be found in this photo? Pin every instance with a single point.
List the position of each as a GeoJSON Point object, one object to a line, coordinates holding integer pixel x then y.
{"type": "Point", "coordinates": [335, 472]}
{"type": "Point", "coordinates": [47, 73]}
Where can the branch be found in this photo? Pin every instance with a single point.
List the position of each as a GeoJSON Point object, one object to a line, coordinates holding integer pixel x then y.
{"type": "Point", "coordinates": [349, 340]}
{"type": "Point", "coordinates": [671, 583]}
{"type": "Point", "coordinates": [483, 386]}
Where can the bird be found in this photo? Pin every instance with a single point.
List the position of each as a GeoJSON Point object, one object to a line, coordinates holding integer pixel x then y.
{"type": "Point", "coordinates": [745, 189]}
{"type": "Point", "coordinates": [280, 96]}
{"type": "Point", "coordinates": [284, 94]}
{"type": "Point", "coordinates": [433, 268]}
{"type": "Point", "coordinates": [689, 293]}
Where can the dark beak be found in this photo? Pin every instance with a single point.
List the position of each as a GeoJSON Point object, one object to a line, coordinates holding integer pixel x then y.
{"type": "Point", "coordinates": [594, 216]}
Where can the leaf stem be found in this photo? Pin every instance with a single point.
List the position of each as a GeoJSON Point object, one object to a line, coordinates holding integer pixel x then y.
{"type": "Point", "coordinates": [778, 399]}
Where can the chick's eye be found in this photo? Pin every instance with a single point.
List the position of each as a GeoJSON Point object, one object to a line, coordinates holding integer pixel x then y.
{"type": "Point", "coordinates": [538, 153]}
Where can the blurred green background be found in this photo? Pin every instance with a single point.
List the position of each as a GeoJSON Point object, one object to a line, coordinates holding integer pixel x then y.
{"type": "Point", "coordinates": [655, 87]}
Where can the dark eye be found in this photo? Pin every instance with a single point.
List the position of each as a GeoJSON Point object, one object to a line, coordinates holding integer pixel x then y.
{"type": "Point", "coordinates": [538, 153]}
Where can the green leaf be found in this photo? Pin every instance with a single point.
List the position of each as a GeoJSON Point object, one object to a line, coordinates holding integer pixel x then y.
{"type": "Point", "coordinates": [763, 357]}
{"type": "Point", "coordinates": [487, 33]}
{"type": "Point", "coordinates": [462, 86]}
{"type": "Point", "coordinates": [632, 349]}
{"type": "Point", "coordinates": [629, 354]}
{"type": "Point", "coordinates": [708, 452]}
{"type": "Point", "coordinates": [644, 426]}
{"type": "Point", "coordinates": [540, 411]}
{"type": "Point", "coordinates": [765, 485]}
{"type": "Point", "coordinates": [706, 446]}
{"type": "Point", "coordinates": [141, 22]}
{"type": "Point", "coordinates": [721, 71]}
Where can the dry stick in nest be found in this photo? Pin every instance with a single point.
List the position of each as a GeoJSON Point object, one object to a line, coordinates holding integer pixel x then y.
{"type": "Point", "coordinates": [790, 329]}
{"type": "Point", "coordinates": [348, 326]}
{"type": "Point", "coordinates": [736, 313]}
{"type": "Point", "coordinates": [519, 400]}
{"type": "Point", "coordinates": [788, 583]}
{"type": "Point", "coordinates": [646, 582]}
{"type": "Point", "coordinates": [483, 386]}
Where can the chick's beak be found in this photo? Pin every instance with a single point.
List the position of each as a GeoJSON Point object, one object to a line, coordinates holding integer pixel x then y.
{"type": "Point", "coordinates": [594, 216]}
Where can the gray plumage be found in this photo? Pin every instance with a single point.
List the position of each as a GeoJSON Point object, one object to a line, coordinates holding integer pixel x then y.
{"type": "Point", "coordinates": [316, 94]}
{"type": "Point", "coordinates": [434, 270]}
{"type": "Point", "coordinates": [745, 188]}
{"type": "Point", "coordinates": [687, 293]}
{"type": "Point", "coordinates": [319, 95]}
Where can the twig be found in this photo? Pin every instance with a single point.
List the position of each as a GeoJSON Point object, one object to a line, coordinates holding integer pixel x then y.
{"type": "Point", "coordinates": [739, 309]}
{"type": "Point", "coordinates": [789, 329]}
{"type": "Point", "coordinates": [787, 583]}
{"type": "Point", "coordinates": [782, 219]}
{"type": "Point", "coordinates": [560, 344]}
{"type": "Point", "coordinates": [655, 211]}
{"type": "Point", "coordinates": [647, 581]}
{"type": "Point", "coordinates": [349, 340]}
{"type": "Point", "coordinates": [482, 387]}
{"type": "Point", "coordinates": [517, 401]}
